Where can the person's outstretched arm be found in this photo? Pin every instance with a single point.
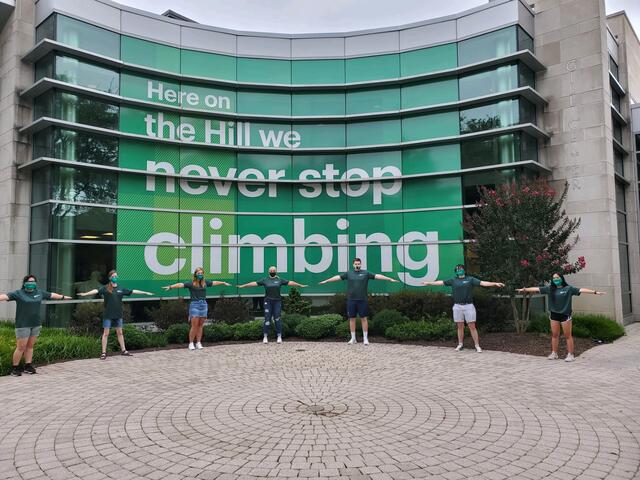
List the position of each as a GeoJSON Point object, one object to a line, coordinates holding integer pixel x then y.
{"type": "Point", "coordinates": [379, 276]}
{"type": "Point", "coordinates": [215, 283]}
{"type": "Point", "coordinates": [296, 284]}
{"type": "Point", "coordinates": [59, 296]}
{"type": "Point", "coordinates": [141, 292]}
{"type": "Point", "coordinates": [335, 278]}
{"type": "Point", "coordinates": [86, 294]}
{"type": "Point", "coordinates": [175, 285]}
{"type": "Point", "coordinates": [528, 290]}
{"type": "Point", "coordinates": [595, 292]}
{"type": "Point", "coordinates": [249, 284]}
{"type": "Point", "coordinates": [491, 284]}
{"type": "Point", "coordinates": [437, 283]}
{"type": "Point", "coordinates": [4, 297]}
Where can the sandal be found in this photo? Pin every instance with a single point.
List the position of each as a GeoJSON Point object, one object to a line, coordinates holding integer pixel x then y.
{"type": "Point", "coordinates": [103, 356]}
{"type": "Point", "coordinates": [125, 353]}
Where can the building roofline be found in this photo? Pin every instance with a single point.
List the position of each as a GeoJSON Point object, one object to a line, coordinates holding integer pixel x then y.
{"type": "Point", "coordinates": [624, 14]}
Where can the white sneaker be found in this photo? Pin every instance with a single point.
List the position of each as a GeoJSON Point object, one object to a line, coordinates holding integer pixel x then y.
{"type": "Point", "coordinates": [265, 339]}
{"type": "Point", "coordinates": [478, 349]}
{"type": "Point", "coordinates": [199, 346]}
{"type": "Point", "coordinates": [459, 347]}
{"type": "Point", "coordinates": [553, 356]}
{"type": "Point", "coordinates": [279, 340]}
{"type": "Point", "coordinates": [352, 342]}
{"type": "Point", "coordinates": [570, 357]}
{"type": "Point", "coordinates": [191, 346]}
{"type": "Point", "coordinates": [365, 341]}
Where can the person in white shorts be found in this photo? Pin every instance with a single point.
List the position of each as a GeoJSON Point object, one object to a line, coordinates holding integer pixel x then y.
{"type": "Point", "coordinates": [463, 308]}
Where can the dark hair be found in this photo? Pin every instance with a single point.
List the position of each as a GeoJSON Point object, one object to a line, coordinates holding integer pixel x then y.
{"type": "Point", "coordinates": [27, 277]}
{"type": "Point", "coordinates": [460, 265]}
{"type": "Point", "coordinates": [109, 286]}
{"type": "Point", "coordinates": [357, 260]}
{"type": "Point", "coordinates": [553, 285]}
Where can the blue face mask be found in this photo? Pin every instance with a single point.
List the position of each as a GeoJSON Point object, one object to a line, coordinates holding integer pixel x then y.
{"type": "Point", "coordinates": [30, 286]}
{"type": "Point", "coordinates": [199, 276]}
{"type": "Point", "coordinates": [114, 279]}
{"type": "Point", "coordinates": [557, 282]}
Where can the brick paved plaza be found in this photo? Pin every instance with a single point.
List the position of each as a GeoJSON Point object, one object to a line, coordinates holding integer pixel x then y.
{"type": "Point", "coordinates": [326, 410]}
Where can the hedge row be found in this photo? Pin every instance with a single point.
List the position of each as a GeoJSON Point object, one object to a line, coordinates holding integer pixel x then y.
{"type": "Point", "coordinates": [597, 327]}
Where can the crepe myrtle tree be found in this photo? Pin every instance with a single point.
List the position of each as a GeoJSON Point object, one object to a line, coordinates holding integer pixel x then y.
{"type": "Point", "coordinates": [520, 234]}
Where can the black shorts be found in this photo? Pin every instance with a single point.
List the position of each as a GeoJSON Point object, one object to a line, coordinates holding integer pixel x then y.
{"type": "Point", "coordinates": [559, 317]}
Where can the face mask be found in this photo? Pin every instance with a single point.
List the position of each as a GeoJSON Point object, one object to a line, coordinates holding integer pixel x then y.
{"type": "Point", "coordinates": [29, 286]}
{"type": "Point", "coordinates": [272, 274]}
{"type": "Point", "coordinates": [199, 276]}
{"type": "Point", "coordinates": [356, 267]}
{"type": "Point", "coordinates": [460, 273]}
{"type": "Point", "coordinates": [114, 279]}
{"type": "Point", "coordinates": [557, 282]}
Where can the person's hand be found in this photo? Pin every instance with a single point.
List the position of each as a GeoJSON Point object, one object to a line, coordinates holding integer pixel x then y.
{"type": "Point", "coordinates": [226, 284]}
{"type": "Point", "coordinates": [167, 288]}
{"type": "Point", "coordinates": [303, 286]}
{"type": "Point", "coordinates": [64, 297]}
{"type": "Point", "coordinates": [148, 293]}
{"type": "Point", "coordinates": [322, 282]}
{"type": "Point", "coordinates": [520, 290]}
{"type": "Point", "coordinates": [393, 280]}
{"type": "Point", "coordinates": [240, 286]}
{"type": "Point", "coordinates": [499, 285]}
{"type": "Point", "coordinates": [599, 293]}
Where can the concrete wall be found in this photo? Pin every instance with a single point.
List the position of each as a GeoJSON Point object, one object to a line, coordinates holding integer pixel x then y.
{"type": "Point", "coordinates": [571, 41]}
{"type": "Point", "coordinates": [629, 51]}
{"type": "Point", "coordinates": [15, 39]}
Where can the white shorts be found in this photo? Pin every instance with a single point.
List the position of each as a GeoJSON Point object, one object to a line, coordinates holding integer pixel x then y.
{"type": "Point", "coordinates": [464, 313]}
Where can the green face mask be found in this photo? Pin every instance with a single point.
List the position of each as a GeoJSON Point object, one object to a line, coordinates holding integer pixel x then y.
{"type": "Point", "coordinates": [460, 273]}
{"type": "Point", "coordinates": [30, 285]}
{"type": "Point", "coordinates": [114, 279]}
{"type": "Point", "coordinates": [557, 282]}
{"type": "Point", "coordinates": [199, 276]}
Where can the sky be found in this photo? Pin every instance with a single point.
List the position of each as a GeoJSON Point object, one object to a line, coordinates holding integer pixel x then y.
{"type": "Point", "coordinates": [315, 16]}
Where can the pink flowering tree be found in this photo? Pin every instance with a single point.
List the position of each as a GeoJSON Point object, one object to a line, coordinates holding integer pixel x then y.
{"type": "Point", "coordinates": [521, 235]}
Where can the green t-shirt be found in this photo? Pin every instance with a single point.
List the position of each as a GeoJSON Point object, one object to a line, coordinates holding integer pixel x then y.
{"type": "Point", "coordinates": [560, 298]}
{"type": "Point", "coordinates": [28, 307]}
{"type": "Point", "coordinates": [113, 301]}
{"type": "Point", "coordinates": [196, 292]}
{"type": "Point", "coordinates": [462, 288]}
{"type": "Point", "coordinates": [272, 287]}
{"type": "Point", "coordinates": [357, 283]}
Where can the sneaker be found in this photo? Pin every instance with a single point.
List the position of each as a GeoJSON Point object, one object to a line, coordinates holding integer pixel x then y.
{"type": "Point", "coordinates": [352, 342]}
{"type": "Point", "coordinates": [265, 339]}
{"type": "Point", "coordinates": [365, 341]}
{"type": "Point", "coordinates": [28, 368]}
{"type": "Point", "coordinates": [103, 356]}
{"type": "Point", "coordinates": [199, 346]}
{"type": "Point", "coordinates": [570, 357]}
{"type": "Point", "coordinates": [459, 347]}
{"type": "Point", "coordinates": [279, 340]}
{"type": "Point", "coordinates": [478, 349]}
{"type": "Point", "coordinates": [191, 346]}
{"type": "Point", "coordinates": [16, 372]}
{"type": "Point", "coordinates": [553, 356]}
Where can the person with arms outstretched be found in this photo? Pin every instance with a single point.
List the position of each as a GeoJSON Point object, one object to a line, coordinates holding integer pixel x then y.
{"type": "Point", "coordinates": [463, 308]}
{"type": "Point", "coordinates": [113, 315]}
{"type": "Point", "coordinates": [272, 300]}
{"type": "Point", "coordinates": [198, 308]}
{"type": "Point", "coordinates": [559, 295]}
{"type": "Point", "coordinates": [357, 285]}
{"type": "Point", "coordinates": [28, 321]}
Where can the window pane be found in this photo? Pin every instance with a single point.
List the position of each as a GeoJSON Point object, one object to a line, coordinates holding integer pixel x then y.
{"type": "Point", "coordinates": [259, 70]}
{"type": "Point", "coordinates": [40, 184]}
{"type": "Point", "coordinates": [490, 45]}
{"type": "Point", "coordinates": [487, 82]}
{"type": "Point", "coordinates": [75, 108]}
{"type": "Point", "coordinates": [76, 146]}
{"type": "Point", "coordinates": [88, 75]}
{"type": "Point", "coordinates": [617, 130]}
{"type": "Point", "coordinates": [317, 71]}
{"type": "Point", "coordinates": [72, 222]}
{"type": "Point", "coordinates": [40, 222]}
{"type": "Point", "coordinates": [621, 204]}
{"type": "Point", "coordinates": [82, 185]}
{"type": "Point", "coordinates": [44, 67]}
{"type": "Point", "coordinates": [618, 162]}
{"type": "Point", "coordinates": [47, 29]}
{"type": "Point", "coordinates": [471, 182]}
{"type": "Point", "coordinates": [527, 77]}
{"type": "Point", "coordinates": [622, 227]}
{"type": "Point", "coordinates": [435, 125]}
{"type": "Point", "coordinates": [150, 54]}
{"type": "Point", "coordinates": [366, 101]}
{"type": "Point", "coordinates": [317, 103]}
{"type": "Point", "coordinates": [613, 66]}
{"type": "Point", "coordinates": [373, 133]}
{"type": "Point", "coordinates": [39, 262]}
{"type": "Point", "coordinates": [87, 37]}
{"type": "Point", "coordinates": [427, 60]}
{"type": "Point", "coordinates": [209, 65]}
{"type": "Point", "coordinates": [260, 103]}
{"type": "Point", "coordinates": [430, 93]}
{"type": "Point", "coordinates": [489, 151]}
{"type": "Point", "coordinates": [625, 278]}
{"type": "Point", "coordinates": [527, 113]}
{"type": "Point", "coordinates": [490, 116]}
{"type": "Point", "coordinates": [528, 147]}
{"type": "Point", "coordinates": [525, 42]}
{"type": "Point", "coordinates": [616, 100]}
{"type": "Point", "coordinates": [79, 267]}
{"type": "Point", "coordinates": [372, 68]}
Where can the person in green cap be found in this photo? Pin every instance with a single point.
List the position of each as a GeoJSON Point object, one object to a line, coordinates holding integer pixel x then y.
{"type": "Point", "coordinates": [28, 321]}
{"type": "Point", "coordinates": [463, 308]}
{"type": "Point", "coordinates": [559, 296]}
{"type": "Point", "coordinates": [272, 300]}
{"type": "Point", "coordinates": [357, 284]}
{"type": "Point", "coordinates": [112, 316]}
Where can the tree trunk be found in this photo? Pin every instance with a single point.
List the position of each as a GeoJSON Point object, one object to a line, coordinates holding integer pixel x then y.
{"type": "Point", "coordinates": [516, 314]}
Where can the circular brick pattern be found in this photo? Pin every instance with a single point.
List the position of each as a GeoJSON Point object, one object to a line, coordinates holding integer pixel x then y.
{"type": "Point", "coordinates": [322, 410]}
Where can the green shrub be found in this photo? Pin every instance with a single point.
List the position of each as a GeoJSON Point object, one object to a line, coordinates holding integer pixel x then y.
{"type": "Point", "coordinates": [343, 330]}
{"type": "Point", "coordinates": [248, 330]}
{"type": "Point", "coordinates": [385, 319]}
{"type": "Point", "coordinates": [51, 349]}
{"type": "Point", "coordinates": [318, 327]}
{"type": "Point", "coordinates": [218, 332]}
{"type": "Point", "coordinates": [290, 322]}
{"type": "Point", "coordinates": [134, 339]}
{"type": "Point", "coordinates": [169, 312]}
{"type": "Point", "coordinates": [581, 332]}
{"type": "Point", "coordinates": [442, 329]}
{"type": "Point", "coordinates": [598, 326]}
{"type": "Point", "coordinates": [178, 333]}
{"type": "Point", "coordinates": [87, 319]}
{"type": "Point", "coordinates": [156, 339]}
{"type": "Point", "coordinates": [539, 324]}
{"type": "Point", "coordinates": [494, 313]}
{"type": "Point", "coordinates": [231, 310]}
{"type": "Point", "coordinates": [294, 303]}
{"type": "Point", "coordinates": [338, 305]}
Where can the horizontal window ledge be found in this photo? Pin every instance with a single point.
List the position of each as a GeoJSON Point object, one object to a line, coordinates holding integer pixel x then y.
{"type": "Point", "coordinates": [45, 122]}
{"type": "Point", "coordinates": [621, 179]}
{"type": "Point", "coordinates": [46, 46]}
{"type": "Point", "coordinates": [617, 86]}
{"type": "Point", "coordinates": [46, 84]}
{"type": "Point", "coordinates": [619, 147]}
{"type": "Point", "coordinates": [43, 161]}
{"type": "Point", "coordinates": [618, 116]}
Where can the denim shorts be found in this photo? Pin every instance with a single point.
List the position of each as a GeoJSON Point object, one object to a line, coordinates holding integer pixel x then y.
{"type": "Point", "coordinates": [112, 322]}
{"type": "Point", "coordinates": [26, 332]}
{"type": "Point", "coordinates": [198, 308]}
{"type": "Point", "coordinates": [357, 307]}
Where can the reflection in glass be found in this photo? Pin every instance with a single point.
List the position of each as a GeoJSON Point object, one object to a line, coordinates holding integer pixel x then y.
{"type": "Point", "coordinates": [75, 146]}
